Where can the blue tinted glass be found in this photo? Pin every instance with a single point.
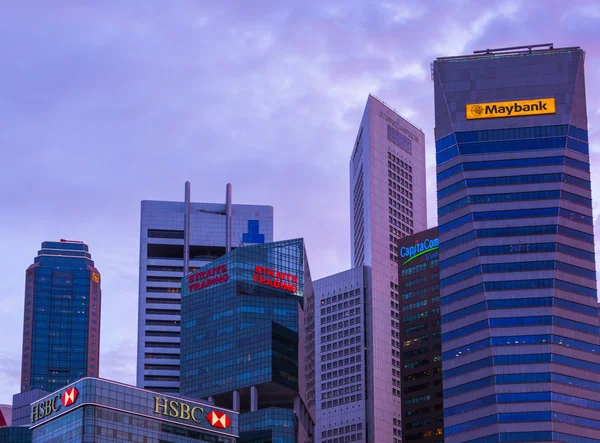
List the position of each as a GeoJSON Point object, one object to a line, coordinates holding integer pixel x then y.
{"type": "Point", "coordinates": [575, 252]}
{"type": "Point", "coordinates": [578, 146]}
{"type": "Point", "coordinates": [455, 223]}
{"type": "Point", "coordinates": [446, 155]}
{"type": "Point", "coordinates": [513, 146]}
{"type": "Point", "coordinates": [499, 198]}
{"type": "Point", "coordinates": [583, 201]}
{"type": "Point", "coordinates": [460, 276]}
{"type": "Point", "coordinates": [474, 327]}
{"type": "Point", "coordinates": [577, 326]}
{"type": "Point", "coordinates": [459, 295]}
{"type": "Point", "coordinates": [471, 386]}
{"type": "Point", "coordinates": [568, 438]}
{"type": "Point", "coordinates": [577, 289]}
{"type": "Point", "coordinates": [461, 239]}
{"type": "Point", "coordinates": [579, 134]}
{"type": "Point", "coordinates": [584, 166]}
{"type": "Point", "coordinates": [449, 172]}
{"type": "Point", "coordinates": [470, 425]}
{"type": "Point", "coordinates": [576, 270]}
{"type": "Point", "coordinates": [445, 142]}
{"type": "Point", "coordinates": [451, 189]}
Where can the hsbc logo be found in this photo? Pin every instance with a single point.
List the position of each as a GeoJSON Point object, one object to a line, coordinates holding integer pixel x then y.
{"type": "Point", "coordinates": [69, 396]}
{"type": "Point", "coordinates": [53, 404]}
{"type": "Point", "coordinates": [218, 419]}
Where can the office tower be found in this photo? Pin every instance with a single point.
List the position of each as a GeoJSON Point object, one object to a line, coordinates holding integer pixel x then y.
{"type": "Point", "coordinates": [97, 410]}
{"type": "Point", "coordinates": [161, 270]}
{"type": "Point", "coordinates": [341, 410]}
{"type": "Point", "coordinates": [247, 339]}
{"type": "Point", "coordinates": [520, 332]}
{"type": "Point", "coordinates": [387, 202]}
{"type": "Point", "coordinates": [61, 330]}
{"type": "Point", "coordinates": [419, 359]}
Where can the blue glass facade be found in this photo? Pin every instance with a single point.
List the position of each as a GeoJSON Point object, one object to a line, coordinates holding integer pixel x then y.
{"type": "Point", "coordinates": [61, 332]}
{"type": "Point", "coordinates": [520, 335]}
{"type": "Point", "coordinates": [94, 410]}
{"type": "Point", "coordinates": [244, 333]}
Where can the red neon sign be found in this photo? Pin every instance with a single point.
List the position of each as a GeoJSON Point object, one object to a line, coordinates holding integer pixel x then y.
{"type": "Point", "coordinates": [204, 279]}
{"type": "Point", "coordinates": [279, 280]}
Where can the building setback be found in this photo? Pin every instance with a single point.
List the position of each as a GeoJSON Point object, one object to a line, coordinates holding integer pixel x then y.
{"type": "Point", "coordinates": [161, 270]}
{"type": "Point", "coordinates": [341, 403]}
{"type": "Point", "coordinates": [61, 328]}
{"type": "Point", "coordinates": [247, 339]}
{"type": "Point", "coordinates": [387, 202]}
{"type": "Point", "coordinates": [520, 335]}
{"type": "Point", "coordinates": [420, 357]}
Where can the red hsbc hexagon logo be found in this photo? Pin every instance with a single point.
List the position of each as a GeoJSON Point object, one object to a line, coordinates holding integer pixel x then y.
{"type": "Point", "coordinates": [218, 419]}
{"type": "Point", "coordinates": [69, 396]}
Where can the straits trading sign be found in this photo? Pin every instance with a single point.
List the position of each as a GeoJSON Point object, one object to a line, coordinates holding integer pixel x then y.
{"type": "Point", "coordinates": [517, 108]}
{"type": "Point", "coordinates": [275, 279]}
{"type": "Point", "coordinates": [427, 246]}
{"type": "Point", "coordinates": [205, 279]}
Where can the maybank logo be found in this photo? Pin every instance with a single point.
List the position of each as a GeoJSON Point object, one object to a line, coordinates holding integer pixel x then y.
{"type": "Point", "coordinates": [511, 109]}
{"type": "Point", "coordinates": [418, 249]}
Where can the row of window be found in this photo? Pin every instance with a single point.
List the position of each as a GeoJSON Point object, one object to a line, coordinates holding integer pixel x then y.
{"type": "Point", "coordinates": [527, 378]}
{"type": "Point", "coordinates": [513, 164]}
{"type": "Point", "coordinates": [521, 340]}
{"type": "Point", "coordinates": [530, 359]}
{"type": "Point", "coordinates": [514, 285]}
{"type": "Point", "coordinates": [522, 397]}
{"type": "Point", "coordinates": [523, 417]}
{"type": "Point", "coordinates": [340, 344]}
{"type": "Point", "coordinates": [341, 325]}
{"type": "Point", "coordinates": [515, 322]}
{"type": "Point", "coordinates": [341, 334]}
{"type": "Point", "coordinates": [340, 316]}
{"type": "Point", "coordinates": [521, 213]}
{"type": "Point", "coordinates": [342, 353]}
{"type": "Point", "coordinates": [341, 391]}
{"type": "Point", "coordinates": [522, 248]}
{"type": "Point", "coordinates": [514, 180]}
{"type": "Point", "coordinates": [340, 297]}
{"type": "Point", "coordinates": [340, 306]}
{"type": "Point", "coordinates": [510, 197]}
{"type": "Point", "coordinates": [519, 231]}
{"type": "Point", "coordinates": [520, 303]}
{"type": "Point", "coordinates": [520, 437]}
{"type": "Point", "coordinates": [342, 401]}
{"type": "Point", "coordinates": [510, 134]}
{"type": "Point", "coordinates": [338, 372]}
{"type": "Point", "coordinates": [525, 266]}
{"type": "Point", "coordinates": [512, 146]}
{"type": "Point", "coordinates": [340, 382]}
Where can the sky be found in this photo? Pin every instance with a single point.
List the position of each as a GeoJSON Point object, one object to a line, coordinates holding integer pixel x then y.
{"type": "Point", "coordinates": [105, 104]}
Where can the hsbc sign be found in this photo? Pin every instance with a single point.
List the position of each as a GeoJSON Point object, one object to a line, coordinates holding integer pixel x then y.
{"type": "Point", "coordinates": [53, 404]}
{"type": "Point", "coordinates": [184, 411]}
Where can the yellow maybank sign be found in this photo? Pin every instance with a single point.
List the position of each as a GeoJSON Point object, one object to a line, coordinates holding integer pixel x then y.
{"type": "Point", "coordinates": [511, 109]}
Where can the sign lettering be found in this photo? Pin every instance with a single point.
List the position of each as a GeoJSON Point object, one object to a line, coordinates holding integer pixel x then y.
{"type": "Point", "coordinates": [45, 408]}
{"type": "Point", "coordinates": [511, 109]}
{"type": "Point", "coordinates": [275, 279]}
{"type": "Point", "coordinates": [177, 409]}
{"type": "Point", "coordinates": [204, 279]}
{"type": "Point", "coordinates": [419, 248]}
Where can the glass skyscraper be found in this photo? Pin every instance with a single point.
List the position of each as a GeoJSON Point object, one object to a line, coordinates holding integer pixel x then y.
{"type": "Point", "coordinates": [520, 334]}
{"type": "Point", "coordinates": [61, 330]}
{"type": "Point", "coordinates": [247, 339]}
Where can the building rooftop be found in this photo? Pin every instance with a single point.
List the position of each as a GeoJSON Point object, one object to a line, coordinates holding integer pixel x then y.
{"type": "Point", "coordinates": [536, 49]}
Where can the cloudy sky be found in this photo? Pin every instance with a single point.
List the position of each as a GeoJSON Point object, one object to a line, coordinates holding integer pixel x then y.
{"type": "Point", "coordinates": [107, 103]}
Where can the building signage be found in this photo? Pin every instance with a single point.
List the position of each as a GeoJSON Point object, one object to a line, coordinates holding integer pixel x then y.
{"type": "Point", "coordinates": [418, 249]}
{"type": "Point", "coordinates": [95, 277]}
{"type": "Point", "coordinates": [53, 404]}
{"type": "Point", "coordinates": [184, 411]}
{"type": "Point", "coordinates": [396, 124]}
{"type": "Point", "coordinates": [275, 279]}
{"type": "Point", "coordinates": [515, 108]}
{"type": "Point", "coordinates": [204, 279]}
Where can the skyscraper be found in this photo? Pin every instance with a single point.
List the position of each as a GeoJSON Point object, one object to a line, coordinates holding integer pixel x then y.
{"type": "Point", "coordinates": [161, 270]}
{"type": "Point", "coordinates": [520, 334]}
{"type": "Point", "coordinates": [247, 339]}
{"type": "Point", "coordinates": [61, 330]}
{"type": "Point", "coordinates": [421, 338]}
{"type": "Point", "coordinates": [341, 400]}
{"type": "Point", "coordinates": [387, 202]}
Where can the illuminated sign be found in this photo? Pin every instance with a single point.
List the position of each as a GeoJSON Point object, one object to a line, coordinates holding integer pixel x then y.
{"type": "Point", "coordinates": [95, 277]}
{"type": "Point", "coordinates": [204, 279]}
{"type": "Point", "coordinates": [275, 279]}
{"type": "Point", "coordinates": [178, 409]}
{"type": "Point", "coordinates": [53, 404]}
{"type": "Point", "coordinates": [418, 249]}
{"type": "Point", "coordinates": [511, 109]}
{"type": "Point", "coordinates": [218, 419]}
{"type": "Point", "coordinates": [184, 411]}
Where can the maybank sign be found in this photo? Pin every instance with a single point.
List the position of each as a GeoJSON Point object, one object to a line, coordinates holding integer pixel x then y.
{"type": "Point", "coordinates": [511, 109]}
{"type": "Point", "coordinates": [418, 249]}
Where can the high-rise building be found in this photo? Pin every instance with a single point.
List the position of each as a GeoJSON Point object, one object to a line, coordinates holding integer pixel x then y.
{"type": "Point", "coordinates": [420, 351]}
{"type": "Point", "coordinates": [247, 339]}
{"type": "Point", "coordinates": [341, 410]}
{"type": "Point", "coordinates": [161, 270]}
{"type": "Point", "coordinates": [61, 330]}
{"type": "Point", "coordinates": [520, 336]}
{"type": "Point", "coordinates": [387, 202]}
